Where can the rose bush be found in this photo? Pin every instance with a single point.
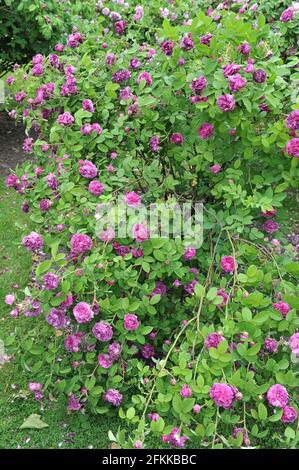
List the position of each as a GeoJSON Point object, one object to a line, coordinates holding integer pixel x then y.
{"type": "Point", "coordinates": [281, 15]}
{"type": "Point", "coordinates": [192, 344]}
{"type": "Point", "coordinates": [30, 27]}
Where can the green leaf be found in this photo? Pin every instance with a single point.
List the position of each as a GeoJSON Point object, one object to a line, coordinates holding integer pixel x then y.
{"type": "Point", "coordinates": [43, 267]}
{"type": "Point", "coordinates": [155, 299]}
{"type": "Point", "coordinates": [111, 436]}
{"type": "Point", "coordinates": [262, 412]}
{"type": "Point", "coordinates": [199, 290]}
{"type": "Point", "coordinates": [157, 426]}
{"type": "Point", "coordinates": [34, 422]}
{"type": "Point", "coordinates": [130, 413]}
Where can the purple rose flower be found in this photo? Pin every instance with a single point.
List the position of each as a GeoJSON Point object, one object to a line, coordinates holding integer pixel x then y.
{"type": "Point", "coordinates": [83, 312]}
{"type": "Point", "coordinates": [113, 396]}
{"type": "Point", "coordinates": [50, 281]}
{"type": "Point", "coordinates": [293, 147]}
{"type": "Point", "coordinates": [102, 331]}
{"type": "Point", "coordinates": [226, 103]}
{"type": "Point", "coordinates": [259, 76]}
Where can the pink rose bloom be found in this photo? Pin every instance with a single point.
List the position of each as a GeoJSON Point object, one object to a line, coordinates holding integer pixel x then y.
{"type": "Point", "coordinates": [198, 85]}
{"type": "Point", "coordinates": [113, 396]}
{"type": "Point", "coordinates": [228, 264]}
{"type": "Point", "coordinates": [244, 48]}
{"type": "Point", "coordinates": [271, 345]}
{"type": "Point", "coordinates": [153, 416]}
{"type": "Point", "coordinates": [59, 47]}
{"type": "Point", "coordinates": [110, 59]}
{"type": "Point", "coordinates": [138, 13]}
{"type": "Point", "coordinates": [12, 181]}
{"type": "Point", "coordinates": [105, 361]}
{"type": "Point", "coordinates": [114, 350]}
{"type": "Point", "coordinates": [289, 414]}
{"type": "Point", "coordinates": [231, 69]}
{"type": "Point", "coordinates": [222, 394]}
{"type": "Point", "coordinates": [107, 235]}
{"type": "Point", "coordinates": [72, 342]}
{"type": "Point", "coordinates": [167, 47]}
{"type": "Point", "coordinates": [80, 243]}
{"type": "Point", "coordinates": [174, 439]}
{"type": "Point", "coordinates": [249, 68]}
{"type": "Point", "coordinates": [73, 403]}
{"type": "Point", "coordinates": [20, 96]}
{"type": "Point", "coordinates": [87, 105]}
{"type": "Point", "coordinates": [185, 391]}
{"type": "Point", "coordinates": [236, 82]}
{"type": "Point", "coordinates": [187, 42]}
{"type": "Point", "coordinates": [145, 76]}
{"type": "Point", "coordinates": [259, 76]}
{"type": "Point", "coordinates": [270, 226]}
{"type": "Point", "coordinates": [133, 199]}
{"type": "Point", "coordinates": [96, 128]}
{"type": "Point", "coordinates": [37, 70]}
{"type": "Point", "coordinates": [131, 322]}
{"type": "Point", "coordinates": [206, 39]}
{"type": "Point", "coordinates": [33, 242]}
{"type": "Point", "coordinates": [120, 27]}
{"type": "Point", "coordinates": [50, 281]}
{"type": "Point", "coordinates": [96, 188]}
{"type": "Point", "coordinates": [287, 15]}
{"type": "Point", "coordinates": [34, 386]}
{"type": "Point", "coordinates": [292, 120]}
{"type": "Point", "coordinates": [87, 169]}
{"type": "Point", "coordinates": [215, 169]}
{"type": "Point", "coordinates": [226, 102]}
{"type": "Point", "coordinates": [86, 129]}
{"type": "Point", "coordinates": [83, 312]}
{"type": "Point", "coordinates": [292, 147]}
{"type": "Point", "coordinates": [140, 233]}
{"type": "Point", "coordinates": [177, 138]}
{"type": "Point", "coordinates": [189, 253]}
{"type": "Point", "coordinates": [196, 408]}
{"type": "Point", "coordinates": [10, 79]}
{"type": "Point", "coordinates": [294, 344]}
{"type": "Point", "coordinates": [102, 331]}
{"type": "Point", "coordinates": [65, 119]}
{"type": "Point", "coordinates": [277, 395]}
{"type": "Point", "coordinates": [9, 299]}
{"type": "Point", "coordinates": [137, 444]}
{"type": "Point", "coordinates": [213, 340]}
{"type": "Point", "coordinates": [206, 130]}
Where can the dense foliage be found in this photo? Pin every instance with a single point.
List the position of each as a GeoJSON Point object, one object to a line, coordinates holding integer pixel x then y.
{"type": "Point", "coordinates": [193, 344]}
{"type": "Point", "coordinates": [28, 27]}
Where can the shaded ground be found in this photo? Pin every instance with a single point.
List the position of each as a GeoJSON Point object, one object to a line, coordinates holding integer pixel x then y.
{"type": "Point", "coordinates": [11, 141]}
